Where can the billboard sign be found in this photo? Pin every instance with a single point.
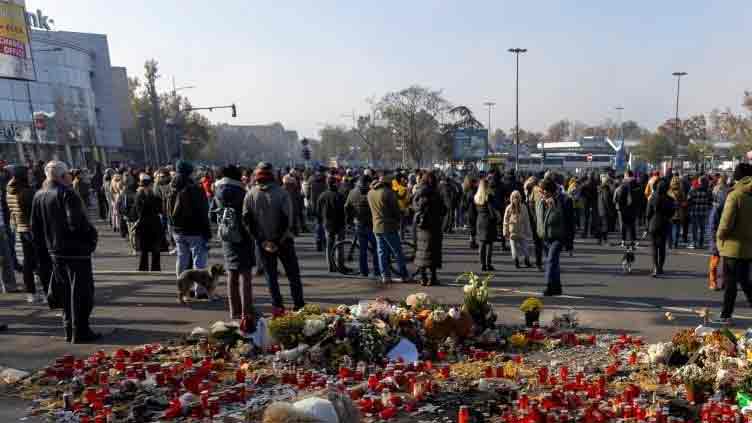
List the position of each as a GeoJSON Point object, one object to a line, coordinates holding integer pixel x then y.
{"type": "Point", "coordinates": [470, 144]}
{"type": "Point", "coordinates": [15, 51]}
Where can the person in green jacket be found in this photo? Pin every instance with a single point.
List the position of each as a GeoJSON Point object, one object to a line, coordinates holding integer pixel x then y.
{"type": "Point", "coordinates": [386, 216]}
{"type": "Point", "coordinates": [734, 240]}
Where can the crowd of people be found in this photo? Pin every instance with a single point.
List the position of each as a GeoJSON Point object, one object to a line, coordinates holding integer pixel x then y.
{"type": "Point", "coordinates": [258, 213]}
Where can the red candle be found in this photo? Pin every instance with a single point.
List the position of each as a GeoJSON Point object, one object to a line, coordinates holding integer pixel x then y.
{"type": "Point", "coordinates": [464, 415]}
{"type": "Point", "coordinates": [543, 375]}
{"type": "Point", "coordinates": [240, 376]}
{"type": "Point", "coordinates": [445, 370]}
{"type": "Point", "coordinates": [489, 371]}
{"type": "Point", "coordinates": [564, 373]}
{"type": "Point", "coordinates": [388, 413]}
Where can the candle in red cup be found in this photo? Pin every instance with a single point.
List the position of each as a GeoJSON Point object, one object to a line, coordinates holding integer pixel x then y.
{"type": "Point", "coordinates": [445, 370]}
{"type": "Point", "coordinates": [90, 395]}
{"type": "Point", "coordinates": [344, 372]}
{"type": "Point", "coordinates": [524, 402]}
{"type": "Point", "coordinates": [464, 415]}
{"type": "Point", "coordinates": [365, 404]}
{"type": "Point", "coordinates": [543, 375]}
{"type": "Point", "coordinates": [499, 371]}
{"type": "Point", "coordinates": [489, 371]}
{"type": "Point", "coordinates": [441, 355]}
{"type": "Point", "coordinates": [663, 377]}
{"type": "Point", "coordinates": [388, 413]}
{"type": "Point", "coordinates": [240, 376]}
{"type": "Point", "coordinates": [564, 373]}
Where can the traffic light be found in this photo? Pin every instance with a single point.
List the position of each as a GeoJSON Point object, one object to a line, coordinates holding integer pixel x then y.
{"type": "Point", "coordinates": [306, 154]}
{"type": "Point", "coordinates": [304, 141]}
{"type": "Point", "coordinates": [234, 111]}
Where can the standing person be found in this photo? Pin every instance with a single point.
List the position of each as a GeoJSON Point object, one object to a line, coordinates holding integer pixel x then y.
{"type": "Point", "coordinates": [8, 276]}
{"type": "Point", "coordinates": [291, 185]}
{"type": "Point", "coordinates": [555, 221]}
{"type": "Point", "coordinates": [386, 223]}
{"type": "Point", "coordinates": [268, 215]}
{"type": "Point", "coordinates": [589, 195]}
{"type": "Point", "coordinates": [188, 213]}
{"type": "Point", "coordinates": [659, 212]}
{"type": "Point", "coordinates": [316, 187]}
{"type": "Point", "coordinates": [606, 210]}
{"type": "Point", "coordinates": [358, 211]}
{"type": "Point", "coordinates": [429, 215]}
{"type": "Point", "coordinates": [487, 218]}
{"type": "Point", "coordinates": [447, 192]}
{"type": "Point", "coordinates": [719, 199]}
{"type": "Point", "coordinates": [399, 186]}
{"type": "Point", "coordinates": [97, 182]}
{"type": "Point", "coordinates": [331, 211]}
{"type": "Point", "coordinates": [61, 227]}
{"type": "Point", "coordinates": [162, 190]}
{"type": "Point", "coordinates": [700, 202]}
{"type": "Point", "coordinates": [628, 204]}
{"type": "Point", "coordinates": [237, 244]}
{"type": "Point", "coordinates": [147, 210]}
{"type": "Point", "coordinates": [469, 187]}
{"type": "Point", "coordinates": [517, 229]}
{"type": "Point", "coordinates": [532, 197]}
{"type": "Point", "coordinates": [20, 197]}
{"type": "Point", "coordinates": [676, 193]}
{"type": "Point", "coordinates": [107, 195]}
{"type": "Point", "coordinates": [115, 190]}
{"type": "Point", "coordinates": [735, 240]}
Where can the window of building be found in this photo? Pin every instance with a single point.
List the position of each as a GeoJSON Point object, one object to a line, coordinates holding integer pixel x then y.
{"type": "Point", "coordinates": [7, 111]}
{"type": "Point", "coordinates": [19, 91]}
{"type": "Point", "coordinates": [23, 114]}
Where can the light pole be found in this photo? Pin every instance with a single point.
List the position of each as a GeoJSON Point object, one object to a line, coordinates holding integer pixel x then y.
{"type": "Point", "coordinates": [678, 76]}
{"type": "Point", "coordinates": [490, 105]}
{"type": "Point", "coordinates": [178, 121]}
{"type": "Point", "coordinates": [619, 110]}
{"type": "Point", "coordinates": [517, 52]}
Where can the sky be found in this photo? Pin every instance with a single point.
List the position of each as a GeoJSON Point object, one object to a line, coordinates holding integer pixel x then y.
{"type": "Point", "coordinates": [307, 63]}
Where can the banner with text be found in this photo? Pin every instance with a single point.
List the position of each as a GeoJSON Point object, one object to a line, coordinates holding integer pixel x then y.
{"type": "Point", "coordinates": [16, 61]}
{"type": "Point", "coordinates": [470, 144]}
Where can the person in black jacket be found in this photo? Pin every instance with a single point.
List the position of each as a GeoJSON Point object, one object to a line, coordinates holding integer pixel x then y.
{"type": "Point", "coordinates": [487, 219]}
{"type": "Point", "coordinates": [358, 211]}
{"type": "Point", "coordinates": [330, 210]}
{"type": "Point", "coordinates": [430, 211]}
{"type": "Point", "coordinates": [147, 210]}
{"type": "Point", "coordinates": [469, 188]}
{"type": "Point", "coordinates": [606, 211]}
{"type": "Point", "coordinates": [627, 198]}
{"type": "Point", "coordinates": [19, 199]}
{"type": "Point", "coordinates": [239, 253]}
{"type": "Point", "coordinates": [188, 212]}
{"type": "Point", "coordinates": [659, 212]}
{"type": "Point", "coordinates": [62, 230]}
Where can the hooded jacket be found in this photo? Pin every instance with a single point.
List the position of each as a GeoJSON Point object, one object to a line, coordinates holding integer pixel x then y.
{"type": "Point", "coordinates": [660, 209]}
{"type": "Point", "coordinates": [735, 229]}
{"type": "Point", "coordinates": [357, 209]}
{"type": "Point", "coordinates": [384, 208]}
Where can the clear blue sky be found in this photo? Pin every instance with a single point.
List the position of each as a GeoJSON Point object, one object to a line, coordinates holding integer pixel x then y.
{"type": "Point", "coordinates": [308, 62]}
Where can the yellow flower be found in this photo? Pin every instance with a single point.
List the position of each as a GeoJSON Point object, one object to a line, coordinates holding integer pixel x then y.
{"type": "Point", "coordinates": [518, 340]}
{"type": "Point", "coordinates": [531, 304]}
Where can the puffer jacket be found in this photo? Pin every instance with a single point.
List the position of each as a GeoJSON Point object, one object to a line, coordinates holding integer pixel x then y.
{"type": "Point", "coordinates": [20, 197]}
{"type": "Point", "coordinates": [517, 226]}
{"type": "Point", "coordinates": [230, 193]}
{"type": "Point", "coordinates": [58, 217]}
{"type": "Point", "coordinates": [268, 213]}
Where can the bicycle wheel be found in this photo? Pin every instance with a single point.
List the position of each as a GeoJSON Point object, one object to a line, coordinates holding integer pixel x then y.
{"type": "Point", "coordinates": [351, 253]}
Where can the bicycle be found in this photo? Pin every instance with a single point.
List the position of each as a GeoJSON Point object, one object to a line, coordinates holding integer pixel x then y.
{"type": "Point", "coordinates": [351, 253]}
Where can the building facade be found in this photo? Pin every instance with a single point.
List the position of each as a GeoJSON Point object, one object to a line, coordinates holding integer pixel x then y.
{"type": "Point", "coordinates": [70, 112]}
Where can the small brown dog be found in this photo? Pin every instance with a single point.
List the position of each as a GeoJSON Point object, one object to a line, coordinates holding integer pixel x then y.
{"type": "Point", "coordinates": [207, 278]}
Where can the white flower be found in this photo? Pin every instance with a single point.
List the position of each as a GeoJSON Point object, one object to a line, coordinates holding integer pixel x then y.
{"type": "Point", "coordinates": [313, 327]}
{"type": "Point", "coordinates": [660, 352]}
{"type": "Point", "coordinates": [467, 289]}
{"type": "Point", "coordinates": [438, 315]}
{"type": "Point", "coordinates": [691, 373]}
{"type": "Point", "coordinates": [454, 313]}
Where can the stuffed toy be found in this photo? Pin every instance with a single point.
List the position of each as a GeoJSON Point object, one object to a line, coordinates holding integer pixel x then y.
{"type": "Point", "coordinates": [336, 408]}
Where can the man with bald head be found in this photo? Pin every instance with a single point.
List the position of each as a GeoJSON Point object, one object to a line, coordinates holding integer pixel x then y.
{"type": "Point", "coordinates": [62, 231]}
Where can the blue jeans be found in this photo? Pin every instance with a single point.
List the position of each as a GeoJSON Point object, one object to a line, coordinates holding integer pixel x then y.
{"type": "Point", "coordinates": [367, 240]}
{"type": "Point", "coordinates": [320, 236]}
{"type": "Point", "coordinates": [388, 244]}
{"type": "Point", "coordinates": [698, 231]}
{"type": "Point", "coordinates": [191, 246]}
{"type": "Point", "coordinates": [8, 275]}
{"type": "Point", "coordinates": [675, 234]}
{"type": "Point", "coordinates": [553, 269]}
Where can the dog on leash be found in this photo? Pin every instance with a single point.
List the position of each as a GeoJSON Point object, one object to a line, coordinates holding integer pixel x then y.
{"type": "Point", "coordinates": [628, 259]}
{"type": "Point", "coordinates": [207, 278]}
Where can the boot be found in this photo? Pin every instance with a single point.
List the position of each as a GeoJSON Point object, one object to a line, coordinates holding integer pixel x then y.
{"type": "Point", "coordinates": [516, 262]}
{"type": "Point", "coordinates": [68, 333]}
{"type": "Point", "coordinates": [527, 262]}
{"type": "Point", "coordinates": [84, 336]}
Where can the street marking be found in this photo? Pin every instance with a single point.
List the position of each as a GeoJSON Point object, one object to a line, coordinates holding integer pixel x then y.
{"type": "Point", "coordinates": [636, 304]}
{"type": "Point", "coordinates": [679, 309]}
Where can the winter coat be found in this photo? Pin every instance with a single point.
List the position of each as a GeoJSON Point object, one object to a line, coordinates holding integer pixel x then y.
{"type": "Point", "coordinates": [448, 194]}
{"type": "Point", "coordinates": [357, 209]}
{"type": "Point", "coordinates": [488, 220]}
{"type": "Point", "coordinates": [316, 187]}
{"type": "Point", "coordinates": [187, 208]}
{"type": "Point", "coordinates": [735, 229]}
{"type": "Point", "coordinates": [60, 224]}
{"type": "Point", "coordinates": [230, 193]}
{"type": "Point", "coordinates": [429, 233]}
{"type": "Point", "coordinates": [147, 210]}
{"type": "Point", "coordinates": [680, 211]}
{"type": "Point", "coordinates": [660, 210]}
{"type": "Point", "coordinates": [606, 208]}
{"type": "Point", "coordinates": [267, 213]}
{"type": "Point", "coordinates": [162, 190]}
{"type": "Point", "coordinates": [331, 210]}
{"type": "Point", "coordinates": [628, 200]}
{"type": "Point", "coordinates": [403, 197]}
{"type": "Point", "coordinates": [384, 208]}
{"type": "Point", "coordinates": [469, 207]}
{"type": "Point", "coordinates": [555, 219]}
{"type": "Point", "coordinates": [719, 200]}
{"type": "Point", "coordinates": [517, 226]}
{"type": "Point", "coordinates": [20, 197]}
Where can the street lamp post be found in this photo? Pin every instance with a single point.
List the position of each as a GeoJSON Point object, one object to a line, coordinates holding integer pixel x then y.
{"type": "Point", "coordinates": [490, 105]}
{"type": "Point", "coordinates": [517, 52]}
{"type": "Point", "coordinates": [678, 76]}
{"type": "Point", "coordinates": [178, 120]}
{"type": "Point", "coordinates": [620, 109]}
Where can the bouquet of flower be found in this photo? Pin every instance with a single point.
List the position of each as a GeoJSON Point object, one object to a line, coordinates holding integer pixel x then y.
{"type": "Point", "coordinates": [691, 375]}
{"type": "Point", "coordinates": [660, 353]}
{"type": "Point", "coordinates": [686, 342]}
{"type": "Point", "coordinates": [287, 329]}
{"type": "Point", "coordinates": [418, 301]}
{"type": "Point", "coordinates": [476, 300]}
{"type": "Point", "coordinates": [531, 304]}
{"type": "Point", "coordinates": [438, 325]}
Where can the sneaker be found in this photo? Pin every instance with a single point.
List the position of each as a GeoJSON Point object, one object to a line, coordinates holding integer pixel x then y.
{"type": "Point", "coordinates": [31, 298]}
{"type": "Point", "coordinates": [691, 246]}
{"type": "Point", "coordinates": [173, 251]}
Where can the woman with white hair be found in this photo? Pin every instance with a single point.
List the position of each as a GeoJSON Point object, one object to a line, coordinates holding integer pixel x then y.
{"type": "Point", "coordinates": [147, 209]}
{"type": "Point", "coordinates": [60, 224]}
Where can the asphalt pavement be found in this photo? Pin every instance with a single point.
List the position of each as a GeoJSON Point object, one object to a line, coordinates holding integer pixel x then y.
{"type": "Point", "coordinates": [135, 308]}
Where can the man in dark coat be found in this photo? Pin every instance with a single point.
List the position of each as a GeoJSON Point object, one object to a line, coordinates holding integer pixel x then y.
{"type": "Point", "coordinates": [448, 196]}
{"type": "Point", "coordinates": [317, 186]}
{"type": "Point", "coordinates": [330, 209]}
{"type": "Point", "coordinates": [555, 221]}
{"type": "Point", "coordinates": [188, 212]}
{"type": "Point", "coordinates": [430, 210]}
{"type": "Point", "coordinates": [62, 229]}
{"type": "Point", "coordinates": [358, 211]}
{"type": "Point", "coordinates": [628, 201]}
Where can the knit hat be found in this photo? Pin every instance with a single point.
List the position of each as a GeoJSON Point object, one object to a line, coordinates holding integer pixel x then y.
{"type": "Point", "coordinates": [742, 170]}
{"type": "Point", "coordinates": [232, 172]}
{"type": "Point", "coordinates": [184, 167]}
